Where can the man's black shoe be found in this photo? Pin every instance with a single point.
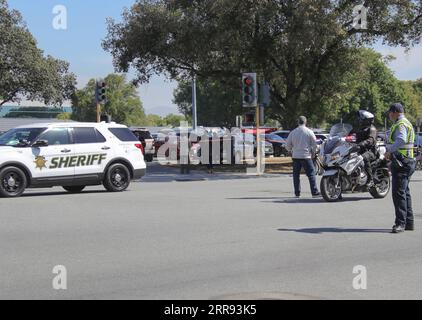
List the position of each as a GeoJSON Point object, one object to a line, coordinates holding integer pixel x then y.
{"type": "Point", "coordinates": [397, 229]}
{"type": "Point", "coordinates": [410, 226]}
{"type": "Point", "coordinates": [316, 195]}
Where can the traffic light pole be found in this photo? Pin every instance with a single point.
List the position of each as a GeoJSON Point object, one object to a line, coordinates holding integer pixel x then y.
{"type": "Point", "coordinates": [258, 141]}
{"type": "Point", "coordinates": [100, 97]}
{"type": "Point", "coordinates": [97, 102]}
{"type": "Point", "coordinates": [98, 112]}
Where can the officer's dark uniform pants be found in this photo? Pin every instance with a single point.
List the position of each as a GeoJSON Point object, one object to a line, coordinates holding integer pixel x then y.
{"type": "Point", "coordinates": [368, 157]}
{"type": "Point", "coordinates": [401, 192]}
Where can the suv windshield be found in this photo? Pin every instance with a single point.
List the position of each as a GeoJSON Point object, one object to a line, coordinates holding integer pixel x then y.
{"type": "Point", "coordinates": [20, 137]}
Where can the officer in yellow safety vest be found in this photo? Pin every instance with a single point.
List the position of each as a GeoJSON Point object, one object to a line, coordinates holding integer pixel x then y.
{"type": "Point", "coordinates": [400, 150]}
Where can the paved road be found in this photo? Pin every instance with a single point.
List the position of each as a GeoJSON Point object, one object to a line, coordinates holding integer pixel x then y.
{"type": "Point", "coordinates": [223, 236]}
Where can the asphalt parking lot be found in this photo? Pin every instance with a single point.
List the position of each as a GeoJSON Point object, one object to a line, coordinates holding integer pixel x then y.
{"type": "Point", "coordinates": [206, 237]}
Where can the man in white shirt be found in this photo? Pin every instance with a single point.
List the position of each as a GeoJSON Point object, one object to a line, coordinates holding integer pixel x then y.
{"type": "Point", "coordinates": [303, 145]}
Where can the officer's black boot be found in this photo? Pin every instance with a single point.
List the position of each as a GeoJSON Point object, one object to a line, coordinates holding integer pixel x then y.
{"type": "Point", "coordinates": [410, 226]}
{"type": "Point", "coordinates": [370, 182]}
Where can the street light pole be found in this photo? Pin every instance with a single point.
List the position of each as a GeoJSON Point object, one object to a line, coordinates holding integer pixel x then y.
{"type": "Point", "coordinates": [194, 111]}
{"type": "Point", "coordinates": [97, 101]}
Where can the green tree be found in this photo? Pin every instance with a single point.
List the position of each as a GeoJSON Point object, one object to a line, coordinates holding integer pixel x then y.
{"type": "Point", "coordinates": [173, 120]}
{"type": "Point", "coordinates": [416, 96]}
{"type": "Point", "coordinates": [153, 120]}
{"type": "Point", "coordinates": [123, 102]}
{"type": "Point", "coordinates": [64, 116]}
{"type": "Point", "coordinates": [218, 103]}
{"type": "Point", "coordinates": [83, 104]}
{"type": "Point", "coordinates": [370, 86]}
{"type": "Point", "coordinates": [306, 49]}
{"type": "Point", "coordinates": [24, 71]}
{"type": "Point", "coordinates": [170, 120]}
{"type": "Point", "coordinates": [413, 100]}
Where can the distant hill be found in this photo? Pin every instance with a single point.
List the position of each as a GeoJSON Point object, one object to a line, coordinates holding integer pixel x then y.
{"type": "Point", "coordinates": [162, 110]}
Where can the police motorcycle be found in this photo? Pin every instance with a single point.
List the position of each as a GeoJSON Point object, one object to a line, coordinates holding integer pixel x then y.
{"type": "Point", "coordinates": [419, 158]}
{"type": "Point", "coordinates": [345, 169]}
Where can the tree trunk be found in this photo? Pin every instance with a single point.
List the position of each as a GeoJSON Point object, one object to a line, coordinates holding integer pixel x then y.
{"type": "Point", "coordinates": [291, 115]}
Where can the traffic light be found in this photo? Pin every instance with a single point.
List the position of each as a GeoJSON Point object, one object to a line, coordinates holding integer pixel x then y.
{"type": "Point", "coordinates": [249, 119]}
{"type": "Point", "coordinates": [100, 93]}
{"type": "Point", "coordinates": [249, 90]}
{"type": "Point", "coordinates": [105, 118]}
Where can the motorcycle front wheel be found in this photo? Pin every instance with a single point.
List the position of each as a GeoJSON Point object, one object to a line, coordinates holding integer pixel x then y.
{"type": "Point", "coordinates": [330, 190]}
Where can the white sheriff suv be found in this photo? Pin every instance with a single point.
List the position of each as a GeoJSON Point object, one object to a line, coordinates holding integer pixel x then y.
{"type": "Point", "coordinates": [72, 155]}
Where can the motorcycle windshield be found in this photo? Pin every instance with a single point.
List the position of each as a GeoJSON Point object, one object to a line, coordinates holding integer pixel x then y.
{"type": "Point", "coordinates": [341, 130]}
{"type": "Point", "coordinates": [331, 144]}
{"type": "Point", "coordinates": [338, 131]}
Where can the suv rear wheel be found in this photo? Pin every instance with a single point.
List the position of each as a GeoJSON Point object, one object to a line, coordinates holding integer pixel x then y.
{"type": "Point", "coordinates": [117, 178]}
{"type": "Point", "coordinates": [74, 189]}
{"type": "Point", "coordinates": [12, 182]}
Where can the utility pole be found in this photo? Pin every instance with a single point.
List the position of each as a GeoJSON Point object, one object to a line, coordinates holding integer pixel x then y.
{"type": "Point", "coordinates": [194, 106]}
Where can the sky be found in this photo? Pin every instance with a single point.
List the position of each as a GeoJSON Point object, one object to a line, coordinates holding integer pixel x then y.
{"type": "Point", "coordinates": [80, 44]}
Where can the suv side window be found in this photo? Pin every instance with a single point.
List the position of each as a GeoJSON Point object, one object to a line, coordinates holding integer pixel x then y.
{"type": "Point", "coordinates": [142, 135]}
{"type": "Point", "coordinates": [56, 136]}
{"type": "Point", "coordinates": [87, 135]}
{"type": "Point", "coordinates": [123, 134]}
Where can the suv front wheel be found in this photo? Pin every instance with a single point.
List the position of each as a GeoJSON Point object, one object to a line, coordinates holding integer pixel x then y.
{"type": "Point", "coordinates": [117, 178]}
{"type": "Point", "coordinates": [12, 182]}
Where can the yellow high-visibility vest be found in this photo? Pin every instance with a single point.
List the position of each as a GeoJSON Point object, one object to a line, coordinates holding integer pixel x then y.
{"type": "Point", "coordinates": [408, 149]}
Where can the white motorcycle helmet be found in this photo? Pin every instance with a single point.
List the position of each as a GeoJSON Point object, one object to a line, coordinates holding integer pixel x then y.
{"type": "Point", "coordinates": [366, 119]}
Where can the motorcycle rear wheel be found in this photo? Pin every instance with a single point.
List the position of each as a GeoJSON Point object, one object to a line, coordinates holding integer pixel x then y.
{"type": "Point", "coordinates": [381, 189]}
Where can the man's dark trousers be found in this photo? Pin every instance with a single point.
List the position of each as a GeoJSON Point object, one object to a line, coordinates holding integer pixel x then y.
{"type": "Point", "coordinates": [401, 192]}
{"type": "Point", "coordinates": [309, 167]}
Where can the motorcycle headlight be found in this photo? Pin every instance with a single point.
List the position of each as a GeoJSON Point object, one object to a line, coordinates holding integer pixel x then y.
{"type": "Point", "coordinates": [335, 156]}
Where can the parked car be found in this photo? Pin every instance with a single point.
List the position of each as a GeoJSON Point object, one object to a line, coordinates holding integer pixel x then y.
{"type": "Point", "coordinates": [278, 143]}
{"type": "Point", "coordinates": [159, 140]}
{"type": "Point", "coordinates": [283, 134]}
{"type": "Point", "coordinates": [243, 149]}
{"type": "Point", "coordinates": [418, 158]}
{"type": "Point", "coordinates": [418, 140]}
{"type": "Point", "coordinates": [269, 149]}
{"type": "Point", "coordinates": [268, 146]}
{"type": "Point", "coordinates": [147, 141]}
{"type": "Point", "coordinates": [321, 137]}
